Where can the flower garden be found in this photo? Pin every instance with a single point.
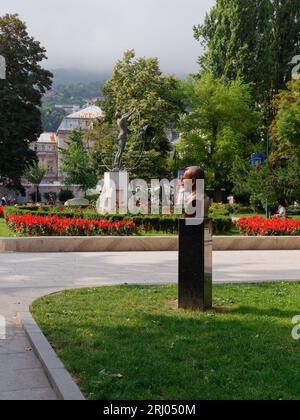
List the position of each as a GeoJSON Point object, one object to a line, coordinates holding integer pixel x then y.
{"type": "Point", "coordinates": [55, 221]}
{"type": "Point", "coordinates": [258, 226]}
{"type": "Point", "coordinates": [56, 226]}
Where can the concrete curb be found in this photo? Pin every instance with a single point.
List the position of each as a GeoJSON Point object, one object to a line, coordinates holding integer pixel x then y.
{"type": "Point", "coordinates": [143, 243]}
{"type": "Point", "coordinates": [90, 244]}
{"type": "Point", "coordinates": [60, 379]}
{"type": "Point", "coordinates": [256, 243]}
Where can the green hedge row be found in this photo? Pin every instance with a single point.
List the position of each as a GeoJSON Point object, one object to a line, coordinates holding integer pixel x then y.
{"type": "Point", "coordinates": [164, 224]}
{"type": "Point", "coordinates": [294, 211]}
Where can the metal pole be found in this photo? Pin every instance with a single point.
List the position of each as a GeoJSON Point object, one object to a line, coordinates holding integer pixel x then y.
{"type": "Point", "coordinates": [267, 153]}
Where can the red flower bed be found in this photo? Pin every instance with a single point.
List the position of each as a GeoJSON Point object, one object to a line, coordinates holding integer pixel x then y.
{"type": "Point", "coordinates": [258, 226]}
{"type": "Point", "coordinates": [1, 212]}
{"type": "Point", "coordinates": [56, 226]}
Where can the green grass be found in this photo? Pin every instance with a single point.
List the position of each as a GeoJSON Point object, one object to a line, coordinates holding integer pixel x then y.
{"type": "Point", "coordinates": [132, 342]}
{"type": "Point", "coordinates": [240, 215]}
{"type": "Point", "coordinates": [4, 231]}
{"type": "Point", "coordinates": [143, 233]}
{"type": "Point", "coordinates": [233, 232]}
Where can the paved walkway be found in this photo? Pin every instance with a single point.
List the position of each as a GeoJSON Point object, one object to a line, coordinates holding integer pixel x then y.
{"type": "Point", "coordinates": [24, 277]}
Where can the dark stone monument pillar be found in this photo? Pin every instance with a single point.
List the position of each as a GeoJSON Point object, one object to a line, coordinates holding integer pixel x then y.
{"type": "Point", "coordinates": [195, 265]}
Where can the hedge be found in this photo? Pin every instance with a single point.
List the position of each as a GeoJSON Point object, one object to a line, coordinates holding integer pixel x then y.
{"type": "Point", "coordinates": [294, 211]}
{"type": "Point", "coordinates": [164, 224]}
{"type": "Point", "coordinates": [222, 224]}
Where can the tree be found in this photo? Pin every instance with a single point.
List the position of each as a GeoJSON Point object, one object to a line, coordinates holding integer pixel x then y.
{"type": "Point", "coordinates": [220, 127]}
{"type": "Point", "coordinates": [52, 118]}
{"type": "Point", "coordinates": [268, 186]}
{"type": "Point", "coordinates": [254, 40]}
{"type": "Point", "coordinates": [35, 175]}
{"type": "Point", "coordinates": [20, 98]}
{"type": "Point", "coordinates": [137, 83]}
{"type": "Point", "coordinates": [76, 163]}
{"type": "Point", "coordinates": [103, 138]}
{"type": "Point", "coordinates": [279, 180]}
{"type": "Point", "coordinates": [285, 129]}
{"type": "Point", "coordinates": [286, 39]}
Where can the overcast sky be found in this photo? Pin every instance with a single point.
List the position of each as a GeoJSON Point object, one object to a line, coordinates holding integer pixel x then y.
{"type": "Point", "coordinates": [93, 34]}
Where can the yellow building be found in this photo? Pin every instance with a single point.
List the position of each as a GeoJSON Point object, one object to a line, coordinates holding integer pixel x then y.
{"type": "Point", "coordinates": [47, 153]}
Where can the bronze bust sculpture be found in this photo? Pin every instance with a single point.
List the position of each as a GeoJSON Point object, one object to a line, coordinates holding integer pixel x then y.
{"type": "Point", "coordinates": [194, 173]}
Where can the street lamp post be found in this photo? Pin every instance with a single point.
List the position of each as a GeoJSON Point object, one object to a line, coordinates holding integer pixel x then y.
{"type": "Point", "coordinates": [267, 162]}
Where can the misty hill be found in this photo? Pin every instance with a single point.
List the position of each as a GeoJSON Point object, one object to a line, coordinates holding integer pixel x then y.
{"type": "Point", "coordinates": [75, 76]}
{"type": "Point", "coordinates": [71, 88]}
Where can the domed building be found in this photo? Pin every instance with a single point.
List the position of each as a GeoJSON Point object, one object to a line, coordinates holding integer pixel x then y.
{"type": "Point", "coordinates": [81, 120]}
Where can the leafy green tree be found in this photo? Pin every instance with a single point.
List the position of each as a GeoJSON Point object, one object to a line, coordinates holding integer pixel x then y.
{"type": "Point", "coordinates": [137, 83]}
{"type": "Point", "coordinates": [268, 186]}
{"type": "Point", "coordinates": [76, 163]}
{"type": "Point", "coordinates": [65, 195]}
{"type": "Point", "coordinates": [35, 175]}
{"type": "Point", "coordinates": [286, 39]}
{"type": "Point", "coordinates": [289, 180]}
{"type": "Point", "coordinates": [20, 98]}
{"type": "Point", "coordinates": [52, 118]}
{"type": "Point", "coordinates": [220, 127]}
{"type": "Point", "coordinates": [285, 129]}
{"type": "Point", "coordinates": [254, 40]}
{"type": "Point", "coordinates": [103, 137]}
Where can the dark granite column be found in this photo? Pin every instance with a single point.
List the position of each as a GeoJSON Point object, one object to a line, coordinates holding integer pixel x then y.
{"type": "Point", "coordinates": [195, 265]}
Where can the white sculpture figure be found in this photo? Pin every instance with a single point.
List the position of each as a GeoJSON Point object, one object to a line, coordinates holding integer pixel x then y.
{"type": "Point", "coordinates": [296, 68]}
{"type": "Point", "coordinates": [2, 67]}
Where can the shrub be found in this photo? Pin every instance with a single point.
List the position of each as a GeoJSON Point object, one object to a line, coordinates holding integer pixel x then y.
{"type": "Point", "coordinates": [258, 226]}
{"type": "Point", "coordinates": [294, 211]}
{"type": "Point", "coordinates": [65, 195]}
{"type": "Point", "coordinates": [222, 224]}
{"type": "Point", "coordinates": [239, 209]}
{"type": "Point", "coordinates": [92, 198]}
{"type": "Point", "coordinates": [218, 210]}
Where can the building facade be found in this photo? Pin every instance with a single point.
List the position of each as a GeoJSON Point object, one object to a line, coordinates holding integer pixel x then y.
{"type": "Point", "coordinates": [47, 153]}
{"type": "Point", "coordinates": [47, 149]}
{"type": "Point", "coordinates": [81, 120]}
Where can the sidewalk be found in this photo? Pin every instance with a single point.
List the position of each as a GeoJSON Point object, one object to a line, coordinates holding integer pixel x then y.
{"type": "Point", "coordinates": [21, 374]}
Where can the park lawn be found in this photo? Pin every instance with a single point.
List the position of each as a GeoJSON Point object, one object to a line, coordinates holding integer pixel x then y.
{"type": "Point", "coordinates": [4, 231]}
{"type": "Point", "coordinates": [240, 215]}
{"type": "Point", "coordinates": [131, 342]}
{"type": "Point", "coordinates": [233, 232]}
{"type": "Point", "coordinates": [143, 233]}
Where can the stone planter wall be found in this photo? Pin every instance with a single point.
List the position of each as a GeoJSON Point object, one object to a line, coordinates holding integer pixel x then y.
{"type": "Point", "coordinates": [143, 243]}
